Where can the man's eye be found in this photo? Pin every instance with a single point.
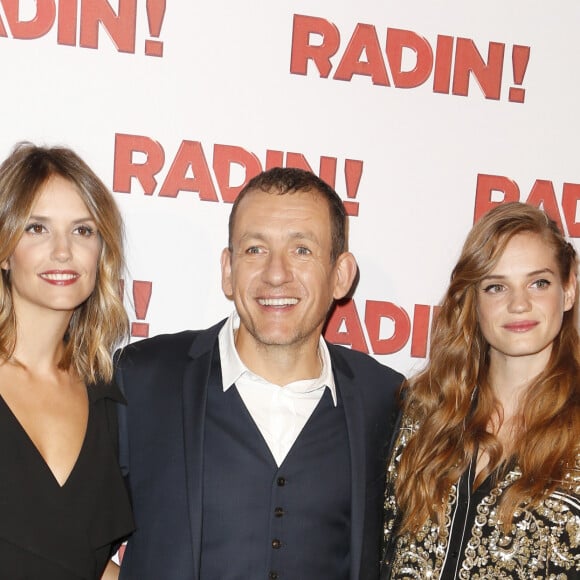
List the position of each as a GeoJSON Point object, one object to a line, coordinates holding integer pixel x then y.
{"type": "Point", "coordinates": [303, 251]}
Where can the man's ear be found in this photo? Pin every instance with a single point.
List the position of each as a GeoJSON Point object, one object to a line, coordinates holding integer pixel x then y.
{"type": "Point", "coordinates": [345, 270]}
{"type": "Point", "coordinates": [226, 263]}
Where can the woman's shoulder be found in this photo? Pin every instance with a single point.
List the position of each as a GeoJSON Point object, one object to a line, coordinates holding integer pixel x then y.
{"type": "Point", "coordinates": [571, 484]}
{"type": "Point", "coordinates": [407, 428]}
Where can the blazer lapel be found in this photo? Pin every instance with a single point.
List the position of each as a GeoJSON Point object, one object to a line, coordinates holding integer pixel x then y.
{"type": "Point", "coordinates": [356, 435]}
{"type": "Point", "coordinates": [195, 382]}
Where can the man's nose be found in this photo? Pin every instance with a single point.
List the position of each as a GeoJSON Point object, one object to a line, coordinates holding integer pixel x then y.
{"type": "Point", "coordinates": [277, 269]}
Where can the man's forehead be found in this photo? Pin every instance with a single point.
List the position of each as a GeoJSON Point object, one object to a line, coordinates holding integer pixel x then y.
{"type": "Point", "coordinates": [287, 216]}
{"type": "Point", "coordinates": [281, 207]}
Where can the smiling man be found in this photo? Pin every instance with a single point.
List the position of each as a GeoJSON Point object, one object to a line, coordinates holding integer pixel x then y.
{"type": "Point", "coordinates": [255, 449]}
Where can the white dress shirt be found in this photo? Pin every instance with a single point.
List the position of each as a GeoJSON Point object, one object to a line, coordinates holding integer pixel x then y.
{"type": "Point", "coordinates": [279, 411]}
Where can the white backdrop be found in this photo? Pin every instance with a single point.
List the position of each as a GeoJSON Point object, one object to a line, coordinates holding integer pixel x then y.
{"type": "Point", "coordinates": [434, 110]}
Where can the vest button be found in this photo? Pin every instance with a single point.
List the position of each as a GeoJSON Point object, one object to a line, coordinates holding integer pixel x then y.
{"type": "Point", "coordinates": [281, 482]}
{"type": "Point", "coordinates": [276, 544]}
{"type": "Point", "coordinates": [278, 512]}
{"type": "Point", "coordinates": [273, 575]}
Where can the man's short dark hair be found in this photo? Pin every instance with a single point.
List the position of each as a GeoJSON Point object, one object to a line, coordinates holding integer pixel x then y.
{"type": "Point", "coordinates": [283, 180]}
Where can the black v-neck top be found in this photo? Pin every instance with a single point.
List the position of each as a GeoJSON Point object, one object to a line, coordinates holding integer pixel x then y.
{"type": "Point", "coordinates": [51, 532]}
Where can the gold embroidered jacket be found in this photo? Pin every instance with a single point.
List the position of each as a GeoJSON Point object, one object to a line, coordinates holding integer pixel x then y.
{"type": "Point", "coordinates": [543, 541]}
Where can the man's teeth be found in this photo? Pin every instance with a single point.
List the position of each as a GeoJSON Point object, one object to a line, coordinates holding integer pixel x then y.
{"type": "Point", "coordinates": [278, 301]}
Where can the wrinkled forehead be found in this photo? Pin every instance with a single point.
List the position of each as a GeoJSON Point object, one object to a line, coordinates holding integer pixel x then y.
{"type": "Point", "coordinates": [260, 207]}
{"type": "Point", "coordinates": [263, 208]}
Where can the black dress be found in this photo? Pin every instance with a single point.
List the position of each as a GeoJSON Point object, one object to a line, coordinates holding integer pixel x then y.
{"type": "Point", "coordinates": [51, 532]}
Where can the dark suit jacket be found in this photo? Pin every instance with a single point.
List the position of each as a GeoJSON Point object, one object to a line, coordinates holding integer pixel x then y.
{"type": "Point", "coordinates": [161, 448]}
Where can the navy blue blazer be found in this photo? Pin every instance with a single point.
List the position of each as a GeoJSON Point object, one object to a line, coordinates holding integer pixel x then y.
{"type": "Point", "coordinates": [161, 450]}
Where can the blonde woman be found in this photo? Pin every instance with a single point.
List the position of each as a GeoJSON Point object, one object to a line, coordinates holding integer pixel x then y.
{"type": "Point", "coordinates": [484, 481]}
{"type": "Point", "coordinates": [63, 503]}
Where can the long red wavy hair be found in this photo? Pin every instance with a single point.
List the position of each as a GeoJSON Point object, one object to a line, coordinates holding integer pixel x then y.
{"type": "Point", "coordinates": [452, 402]}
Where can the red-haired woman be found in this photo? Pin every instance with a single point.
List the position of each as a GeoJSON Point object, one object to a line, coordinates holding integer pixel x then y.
{"type": "Point", "coordinates": [484, 479]}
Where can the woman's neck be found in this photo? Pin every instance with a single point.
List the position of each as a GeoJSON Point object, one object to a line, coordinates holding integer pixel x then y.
{"type": "Point", "coordinates": [39, 342]}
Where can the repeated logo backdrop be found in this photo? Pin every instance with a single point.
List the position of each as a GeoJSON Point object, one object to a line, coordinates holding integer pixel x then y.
{"type": "Point", "coordinates": [422, 115]}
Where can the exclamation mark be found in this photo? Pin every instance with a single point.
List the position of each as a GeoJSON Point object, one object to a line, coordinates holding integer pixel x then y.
{"type": "Point", "coordinates": [353, 173]}
{"type": "Point", "coordinates": [141, 298]}
{"type": "Point", "coordinates": [155, 14]}
{"type": "Point", "coordinates": [520, 58]}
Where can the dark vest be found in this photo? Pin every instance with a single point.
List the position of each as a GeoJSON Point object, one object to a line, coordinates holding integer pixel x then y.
{"type": "Point", "coordinates": [265, 522]}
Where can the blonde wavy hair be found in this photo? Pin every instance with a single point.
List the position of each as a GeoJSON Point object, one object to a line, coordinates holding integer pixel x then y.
{"type": "Point", "coordinates": [451, 400]}
{"type": "Point", "coordinates": [100, 323]}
